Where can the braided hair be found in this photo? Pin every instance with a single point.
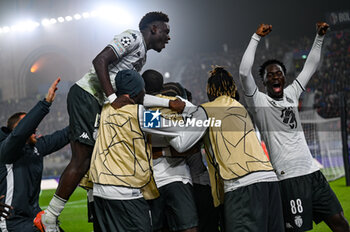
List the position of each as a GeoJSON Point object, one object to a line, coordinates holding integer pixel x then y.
{"type": "Point", "coordinates": [220, 83]}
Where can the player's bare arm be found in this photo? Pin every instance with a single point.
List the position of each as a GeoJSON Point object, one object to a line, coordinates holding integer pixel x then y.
{"type": "Point", "coordinates": [263, 29]}
{"type": "Point", "coordinates": [101, 62]}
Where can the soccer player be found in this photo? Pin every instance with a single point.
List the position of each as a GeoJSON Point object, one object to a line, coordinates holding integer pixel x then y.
{"type": "Point", "coordinates": [175, 209]}
{"type": "Point", "coordinates": [126, 51]}
{"type": "Point", "coordinates": [306, 194]}
{"type": "Point", "coordinates": [241, 176]}
{"type": "Point", "coordinates": [21, 162]}
{"type": "Point", "coordinates": [121, 165]}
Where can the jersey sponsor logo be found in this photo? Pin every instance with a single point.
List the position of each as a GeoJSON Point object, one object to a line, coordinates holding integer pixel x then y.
{"type": "Point", "coordinates": [151, 119]}
{"type": "Point", "coordinates": [288, 117]}
{"type": "Point", "coordinates": [84, 135]}
{"type": "Point", "coordinates": [298, 221]}
{"type": "Point", "coordinates": [288, 225]}
{"type": "Point", "coordinates": [125, 41]}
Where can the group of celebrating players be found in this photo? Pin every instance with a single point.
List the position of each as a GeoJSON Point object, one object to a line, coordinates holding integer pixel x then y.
{"type": "Point", "coordinates": [143, 178]}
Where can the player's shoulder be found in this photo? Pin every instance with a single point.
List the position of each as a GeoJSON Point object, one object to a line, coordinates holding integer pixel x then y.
{"type": "Point", "coordinates": [294, 89]}
{"type": "Point", "coordinates": [133, 35]}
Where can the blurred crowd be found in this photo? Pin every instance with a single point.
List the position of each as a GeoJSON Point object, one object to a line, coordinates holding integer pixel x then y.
{"type": "Point", "coordinates": [322, 93]}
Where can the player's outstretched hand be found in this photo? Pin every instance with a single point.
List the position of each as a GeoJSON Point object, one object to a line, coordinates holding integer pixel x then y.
{"type": "Point", "coordinates": [177, 105]}
{"type": "Point", "coordinates": [321, 28]}
{"type": "Point", "coordinates": [4, 209]}
{"type": "Point", "coordinates": [51, 94]}
{"type": "Point", "coordinates": [122, 101]}
{"type": "Point", "coordinates": [263, 29]}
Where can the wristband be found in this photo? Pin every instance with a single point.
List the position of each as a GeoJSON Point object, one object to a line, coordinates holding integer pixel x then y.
{"type": "Point", "coordinates": [112, 97]}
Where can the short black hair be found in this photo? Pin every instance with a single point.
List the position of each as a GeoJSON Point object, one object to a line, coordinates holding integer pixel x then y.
{"type": "Point", "coordinates": [151, 17]}
{"type": "Point", "coordinates": [189, 95]}
{"type": "Point", "coordinates": [220, 83]}
{"type": "Point", "coordinates": [153, 81]}
{"type": "Point", "coordinates": [173, 89]}
{"type": "Point", "coordinates": [13, 120]}
{"type": "Point", "coordinates": [267, 63]}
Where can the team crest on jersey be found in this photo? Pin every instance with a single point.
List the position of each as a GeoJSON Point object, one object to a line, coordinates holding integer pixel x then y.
{"type": "Point", "coordinates": [298, 221]}
{"type": "Point", "coordinates": [125, 41]}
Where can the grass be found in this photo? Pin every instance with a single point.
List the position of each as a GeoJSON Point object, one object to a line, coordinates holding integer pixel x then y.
{"type": "Point", "coordinates": [74, 216]}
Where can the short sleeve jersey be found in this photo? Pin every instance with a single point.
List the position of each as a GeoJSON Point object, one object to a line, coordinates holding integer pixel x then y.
{"type": "Point", "coordinates": [280, 127]}
{"type": "Point", "coordinates": [130, 49]}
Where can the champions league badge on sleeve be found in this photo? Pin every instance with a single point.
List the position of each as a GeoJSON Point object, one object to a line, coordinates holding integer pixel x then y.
{"type": "Point", "coordinates": [125, 41]}
{"type": "Point", "coordinates": [151, 119]}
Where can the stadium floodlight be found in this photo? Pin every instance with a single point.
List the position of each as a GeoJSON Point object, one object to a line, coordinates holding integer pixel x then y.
{"type": "Point", "coordinates": [77, 16]}
{"type": "Point", "coordinates": [14, 28]}
{"type": "Point", "coordinates": [45, 22]}
{"type": "Point", "coordinates": [69, 18]}
{"type": "Point", "coordinates": [115, 14]}
{"type": "Point", "coordinates": [86, 15]}
{"type": "Point", "coordinates": [1, 30]}
{"type": "Point", "coordinates": [60, 19]}
{"type": "Point", "coordinates": [53, 21]}
{"type": "Point", "coordinates": [27, 25]}
{"type": "Point", "coordinates": [167, 75]}
{"type": "Point", "coordinates": [94, 13]}
{"type": "Point", "coordinates": [30, 25]}
{"type": "Point", "coordinates": [5, 29]}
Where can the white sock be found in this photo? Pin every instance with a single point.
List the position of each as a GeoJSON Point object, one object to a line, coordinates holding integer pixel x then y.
{"type": "Point", "coordinates": [55, 208]}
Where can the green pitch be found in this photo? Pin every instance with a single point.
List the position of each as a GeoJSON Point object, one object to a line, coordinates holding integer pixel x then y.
{"type": "Point", "coordinates": [74, 216]}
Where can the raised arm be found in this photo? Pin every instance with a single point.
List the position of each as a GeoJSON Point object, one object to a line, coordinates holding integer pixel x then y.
{"type": "Point", "coordinates": [314, 57]}
{"type": "Point", "coordinates": [245, 69]}
{"type": "Point", "coordinates": [10, 148]}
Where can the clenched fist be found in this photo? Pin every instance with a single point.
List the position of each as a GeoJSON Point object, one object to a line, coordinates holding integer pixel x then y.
{"type": "Point", "coordinates": [263, 29]}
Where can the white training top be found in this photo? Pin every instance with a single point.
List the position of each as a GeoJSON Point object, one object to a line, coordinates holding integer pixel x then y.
{"type": "Point", "coordinates": [180, 138]}
{"type": "Point", "coordinates": [130, 49]}
{"type": "Point", "coordinates": [278, 120]}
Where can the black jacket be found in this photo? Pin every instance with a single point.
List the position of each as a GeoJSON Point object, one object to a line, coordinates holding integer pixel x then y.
{"type": "Point", "coordinates": [21, 164]}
